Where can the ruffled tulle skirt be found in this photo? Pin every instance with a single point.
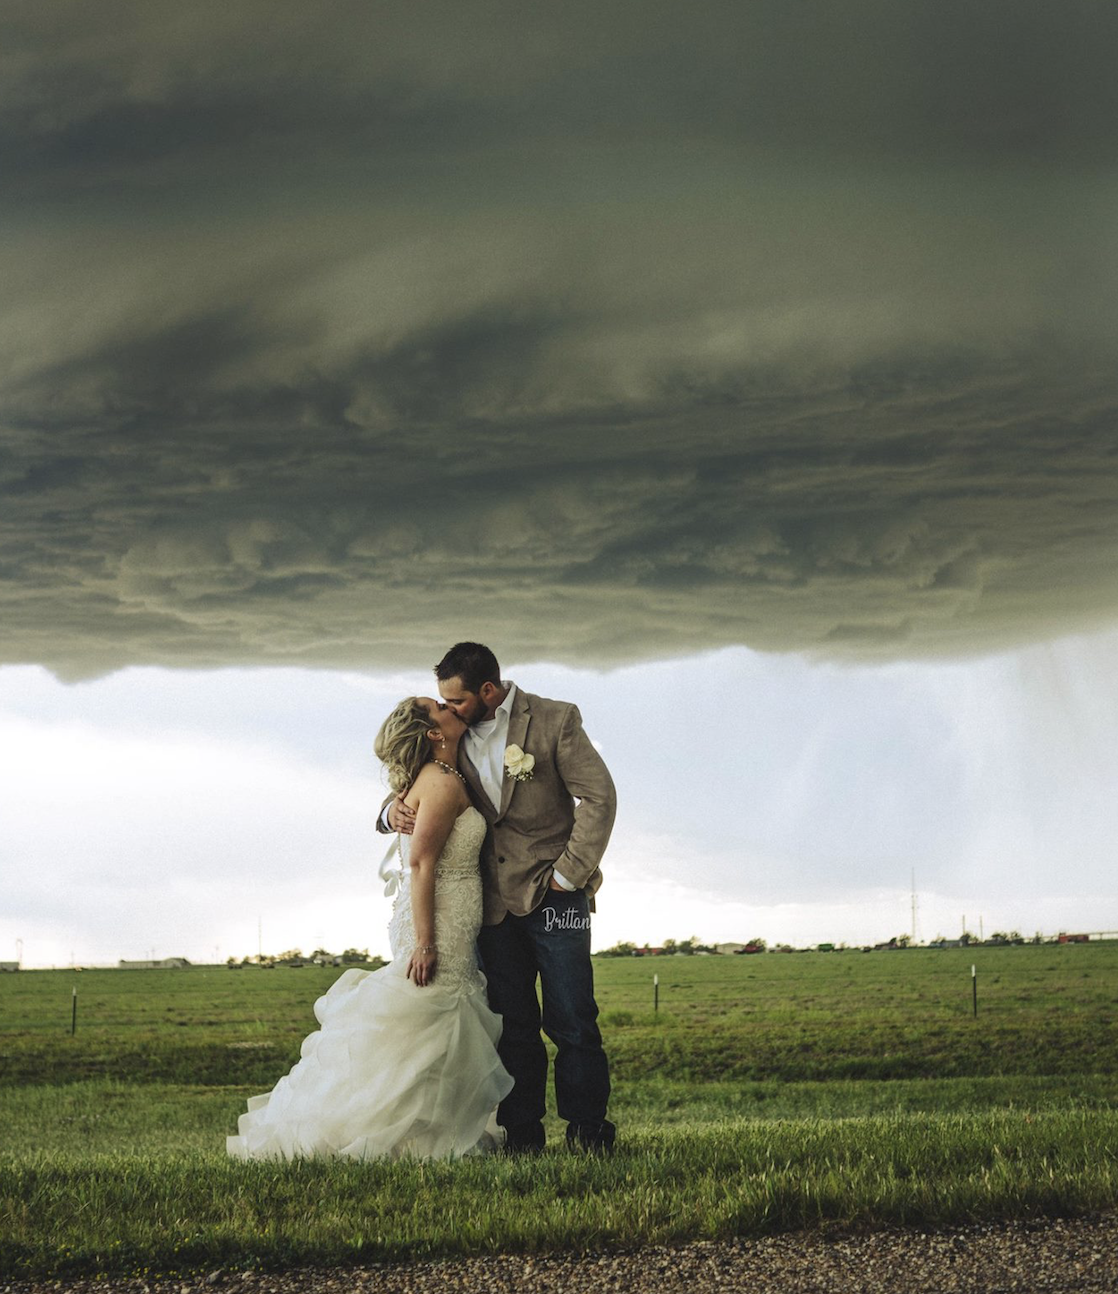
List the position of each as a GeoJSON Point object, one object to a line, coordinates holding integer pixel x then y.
{"type": "Point", "coordinates": [394, 1071]}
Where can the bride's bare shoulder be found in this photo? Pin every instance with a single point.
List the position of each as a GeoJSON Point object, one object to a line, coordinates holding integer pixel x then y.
{"type": "Point", "coordinates": [437, 782]}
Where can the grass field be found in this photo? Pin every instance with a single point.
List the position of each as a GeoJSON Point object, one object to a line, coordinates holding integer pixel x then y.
{"type": "Point", "coordinates": [768, 1092]}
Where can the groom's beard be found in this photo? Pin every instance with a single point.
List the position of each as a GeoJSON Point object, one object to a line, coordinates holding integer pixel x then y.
{"type": "Point", "coordinates": [473, 716]}
{"type": "Point", "coordinates": [477, 715]}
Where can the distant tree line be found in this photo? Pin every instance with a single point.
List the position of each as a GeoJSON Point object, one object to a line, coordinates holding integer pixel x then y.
{"type": "Point", "coordinates": [320, 957]}
{"type": "Point", "coordinates": [687, 947]}
{"type": "Point", "coordinates": [758, 945]}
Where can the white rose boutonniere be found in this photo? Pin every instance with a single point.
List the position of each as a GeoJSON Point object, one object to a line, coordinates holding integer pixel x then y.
{"type": "Point", "coordinates": [519, 764]}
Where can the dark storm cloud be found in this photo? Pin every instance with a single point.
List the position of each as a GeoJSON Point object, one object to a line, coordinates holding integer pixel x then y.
{"type": "Point", "coordinates": [598, 331]}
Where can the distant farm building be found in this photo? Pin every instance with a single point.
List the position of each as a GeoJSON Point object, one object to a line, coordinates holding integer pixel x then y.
{"type": "Point", "coordinates": [9, 966]}
{"type": "Point", "coordinates": [165, 963]}
{"type": "Point", "coordinates": [729, 948]}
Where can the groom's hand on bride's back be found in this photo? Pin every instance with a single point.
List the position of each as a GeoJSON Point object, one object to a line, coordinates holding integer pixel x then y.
{"type": "Point", "coordinates": [401, 816]}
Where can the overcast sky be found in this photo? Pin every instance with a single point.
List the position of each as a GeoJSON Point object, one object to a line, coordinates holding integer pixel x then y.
{"type": "Point", "coordinates": [611, 335]}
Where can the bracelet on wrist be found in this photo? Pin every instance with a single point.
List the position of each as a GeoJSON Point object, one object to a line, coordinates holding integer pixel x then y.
{"type": "Point", "coordinates": [426, 948]}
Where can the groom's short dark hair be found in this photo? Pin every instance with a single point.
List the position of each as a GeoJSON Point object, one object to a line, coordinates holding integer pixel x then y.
{"type": "Point", "coordinates": [472, 663]}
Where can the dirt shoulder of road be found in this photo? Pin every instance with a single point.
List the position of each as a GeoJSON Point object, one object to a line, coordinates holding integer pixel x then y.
{"type": "Point", "coordinates": [1051, 1254]}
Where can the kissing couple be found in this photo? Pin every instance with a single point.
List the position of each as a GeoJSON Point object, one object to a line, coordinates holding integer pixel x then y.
{"type": "Point", "coordinates": [502, 809]}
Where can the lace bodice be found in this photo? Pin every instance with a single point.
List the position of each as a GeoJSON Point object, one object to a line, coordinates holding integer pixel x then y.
{"type": "Point", "coordinates": [457, 905]}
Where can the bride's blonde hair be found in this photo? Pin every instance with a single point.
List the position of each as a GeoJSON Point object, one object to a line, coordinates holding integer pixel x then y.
{"type": "Point", "coordinates": [402, 743]}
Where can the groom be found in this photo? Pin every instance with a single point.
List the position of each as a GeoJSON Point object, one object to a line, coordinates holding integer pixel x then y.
{"type": "Point", "coordinates": [549, 802]}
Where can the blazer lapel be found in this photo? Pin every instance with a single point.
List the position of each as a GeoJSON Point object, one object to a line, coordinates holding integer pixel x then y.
{"type": "Point", "coordinates": [473, 781]}
{"type": "Point", "coordinates": [519, 720]}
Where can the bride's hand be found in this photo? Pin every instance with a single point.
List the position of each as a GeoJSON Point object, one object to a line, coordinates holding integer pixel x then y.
{"type": "Point", "coordinates": [421, 966]}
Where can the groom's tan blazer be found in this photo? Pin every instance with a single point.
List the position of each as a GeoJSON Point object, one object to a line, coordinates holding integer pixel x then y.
{"type": "Point", "coordinates": [538, 827]}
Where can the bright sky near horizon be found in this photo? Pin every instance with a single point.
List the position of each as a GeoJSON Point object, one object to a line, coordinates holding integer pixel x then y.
{"type": "Point", "coordinates": [166, 813]}
{"type": "Point", "coordinates": [746, 373]}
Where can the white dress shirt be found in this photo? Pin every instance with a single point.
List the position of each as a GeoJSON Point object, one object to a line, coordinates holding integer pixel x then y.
{"type": "Point", "coordinates": [485, 744]}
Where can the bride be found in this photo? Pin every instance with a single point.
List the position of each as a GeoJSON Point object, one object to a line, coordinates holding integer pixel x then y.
{"type": "Point", "coordinates": [405, 1062]}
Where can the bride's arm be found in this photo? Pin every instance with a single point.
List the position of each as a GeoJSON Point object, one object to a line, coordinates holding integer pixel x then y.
{"type": "Point", "coordinates": [439, 802]}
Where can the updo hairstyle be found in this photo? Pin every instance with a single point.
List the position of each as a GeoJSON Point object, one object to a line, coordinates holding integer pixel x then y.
{"type": "Point", "coordinates": [402, 744]}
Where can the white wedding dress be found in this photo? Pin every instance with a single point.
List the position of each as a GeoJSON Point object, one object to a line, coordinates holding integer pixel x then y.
{"type": "Point", "coordinates": [397, 1070]}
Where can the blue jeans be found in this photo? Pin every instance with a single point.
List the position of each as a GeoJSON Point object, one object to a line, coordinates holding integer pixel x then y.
{"type": "Point", "coordinates": [553, 943]}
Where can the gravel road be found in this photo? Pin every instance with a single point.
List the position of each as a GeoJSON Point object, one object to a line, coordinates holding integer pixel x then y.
{"type": "Point", "coordinates": [1071, 1255]}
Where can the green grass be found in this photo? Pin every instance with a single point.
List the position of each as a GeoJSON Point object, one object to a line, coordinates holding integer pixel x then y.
{"type": "Point", "coordinates": [768, 1093]}
{"type": "Point", "coordinates": [125, 1212]}
{"type": "Point", "coordinates": [819, 1016]}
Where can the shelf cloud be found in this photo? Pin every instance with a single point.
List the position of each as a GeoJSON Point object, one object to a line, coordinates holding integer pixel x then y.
{"type": "Point", "coordinates": [601, 333]}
